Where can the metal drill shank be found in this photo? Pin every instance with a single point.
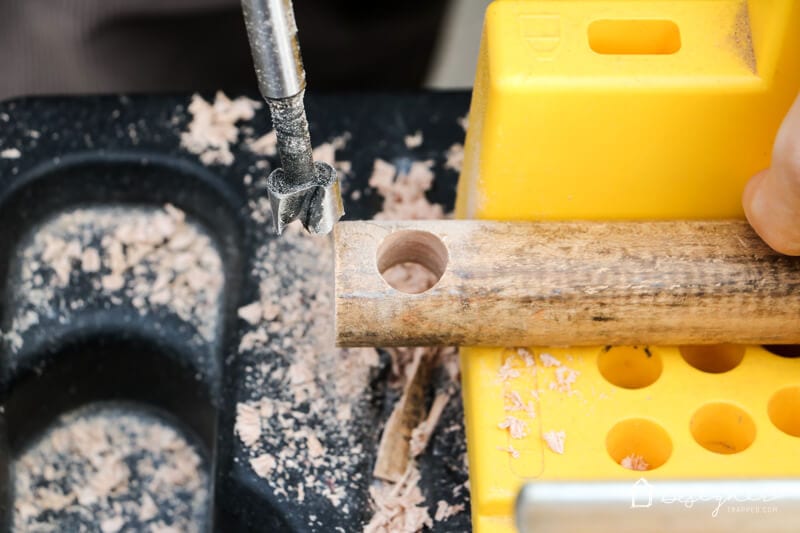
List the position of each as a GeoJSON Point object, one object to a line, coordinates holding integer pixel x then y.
{"type": "Point", "coordinates": [272, 31]}
{"type": "Point", "coordinates": [294, 140]}
{"type": "Point", "coordinates": [300, 189]}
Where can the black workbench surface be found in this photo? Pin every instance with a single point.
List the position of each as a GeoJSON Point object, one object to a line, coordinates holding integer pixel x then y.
{"type": "Point", "coordinates": [125, 150]}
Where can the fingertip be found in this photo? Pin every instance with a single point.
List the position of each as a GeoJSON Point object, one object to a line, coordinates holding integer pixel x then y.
{"type": "Point", "coordinates": [755, 184]}
{"type": "Point", "coordinates": [766, 210]}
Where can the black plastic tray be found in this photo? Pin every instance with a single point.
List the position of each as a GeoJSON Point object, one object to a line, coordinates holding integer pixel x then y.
{"type": "Point", "coordinates": [120, 150]}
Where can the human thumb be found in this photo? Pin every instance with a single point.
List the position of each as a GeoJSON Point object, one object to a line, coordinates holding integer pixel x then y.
{"type": "Point", "coordinates": [772, 197]}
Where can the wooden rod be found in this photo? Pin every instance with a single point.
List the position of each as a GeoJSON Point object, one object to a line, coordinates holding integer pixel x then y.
{"type": "Point", "coordinates": [565, 283]}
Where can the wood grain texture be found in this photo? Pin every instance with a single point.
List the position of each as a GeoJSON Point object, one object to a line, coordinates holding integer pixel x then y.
{"type": "Point", "coordinates": [570, 283]}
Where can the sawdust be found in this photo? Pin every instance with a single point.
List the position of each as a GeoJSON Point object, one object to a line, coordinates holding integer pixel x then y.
{"type": "Point", "coordinates": [266, 145]}
{"type": "Point", "coordinates": [514, 402]}
{"type": "Point", "coordinates": [527, 357]}
{"type": "Point", "coordinates": [634, 462]}
{"type": "Point", "coordinates": [555, 440]}
{"type": "Point", "coordinates": [455, 157]}
{"type": "Point", "coordinates": [507, 371]}
{"type": "Point", "coordinates": [399, 507]}
{"type": "Point", "coordinates": [326, 152]}
{"type": "Point", "coordinates": [565, 377]}
{"type": "Point", "coordinates": [513, 452]}
{"type": "Point", "coordinates": [444, 510]}
{"type": "Point", "coordinates": [152, 257]}
{"type": "Point", "coordinates": [248, 423]}
{"type": "Point", "coordinates": [517, 429]}
{"type": "Point", "coordinates": [303, 433]}
{"type": "Point", "coordinates": [263, 464]}
{"type": "Point", "coordinates": [213, 128]}
{"type": "Point", "coordinates": [403, 191]}
{"type": "Point", "coordinates": [741, 40]}
{"type": "Point", "coordinates": [548, 360]}
{"type": "Point", "coordinates": [113, 465]}
{"type": "Point", "coordinates": [10, 153]}
{"type": "Point", "coordinates": [414, 140]}
{"type": "Point", "coordinates": [413, 278]}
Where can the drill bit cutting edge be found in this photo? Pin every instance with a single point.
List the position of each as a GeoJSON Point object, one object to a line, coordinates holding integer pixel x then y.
{"type": "Point", "coordinates": [301, 189]}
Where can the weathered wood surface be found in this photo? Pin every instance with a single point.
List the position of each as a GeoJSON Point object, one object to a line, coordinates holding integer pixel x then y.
{"type": "Point", "coordinates": [566, 283]}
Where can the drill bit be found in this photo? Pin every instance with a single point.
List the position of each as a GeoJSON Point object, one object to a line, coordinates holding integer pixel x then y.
{"type": "Point", "coordinates": [301, 189]}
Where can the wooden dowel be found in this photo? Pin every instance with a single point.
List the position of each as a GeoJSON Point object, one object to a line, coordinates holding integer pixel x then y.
{"type": "Point", "coordinates": [565, 283]}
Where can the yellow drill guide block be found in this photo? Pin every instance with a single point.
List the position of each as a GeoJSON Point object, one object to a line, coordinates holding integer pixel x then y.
{"type": "Point", "coordinates": [625, 110]}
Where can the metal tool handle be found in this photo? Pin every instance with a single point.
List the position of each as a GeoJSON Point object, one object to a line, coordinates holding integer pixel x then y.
{"type": "Point", "coordinates": [691, 506]}
{"type": "Point", "coordinates": [272, 30]}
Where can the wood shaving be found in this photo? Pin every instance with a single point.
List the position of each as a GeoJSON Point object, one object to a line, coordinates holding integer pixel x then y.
{"type": "Point", "coordinates": [90, 260]}
{"type": "Point", "coordinates": [266, 145]}
{"type": "Point", "coordinates": [251, 313]}
{"type": "Point", "coordinates": [421, 435]}
{"type": "Point", "coordinates": [548, 360]}
{"type": "Point", "coordinates": [527, 357]}
{"type": "Point", "coordinates": [507, 371]}
{"type": "Point", "coordinates": [565, 377]}
{"type": "Point", "coordinates": [555, 440]}
{"type": "Point", "coordinates": [412, 277]}
{"type": "Point", "coordinates": [112, 525]}
{"type": "Point", "coordinates": [399, 507]}
{"type": "Point", "coordinates": [326, 152]}
{"type": "Point", "coordinates": [414, 141]}
{"type": "Point", "coordinates": [314, 446]}
{"type": "Point", "coordinates": [10, 153]}
{"type": "Point", "coordinates": [455, 157]}
{"type": "Point", "coordinates": [248, 423]}
{"type": "Point", "coordinates": [517, 429]}
{"type": "Point", "coordinates": [513, 402]}
{"type": "Point", "coordinates": [304, 430]}
{"type": "Point", "coordinates": [409, 411]}
{"type": "Point", "coordinates": [634, 462]}
{"type": "Point", "coordinates": [263, 465]}
{"type": "Point", "coordinates": [513, 452]}
{"type": "Point", "coordinates": [110, 466]}
{"type": "Point", "coordinates": [444, 510]}
{"type": "Point", "coordinates": [213, 126]}
{"type": "Point", "coordinates": [403, 191]}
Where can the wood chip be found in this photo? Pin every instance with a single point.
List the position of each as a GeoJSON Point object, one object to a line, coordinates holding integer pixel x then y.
{"type": "Point", "coordinates": [555, 440]}
{"type": "Point", "coordinates": [634, 462]}
{"type": "Point", "coordinates": [414, 141]}
{"type": "Point", "coordinates": [444, 510]}
{"type": "Point", "coordinates": [263, 465]}
{"type": "Point", "coordinates": [266, 145]}
{"type": "Point", "coordinates": [90, 260]}
{"type": "Point", "coordinates": [517, 429]}
{"type": "Point", "coordinates": [455, 157]}
{"type": "Point", "coordinates": [248, 424]}
{"type": "Point", "coordinates": [251, 313]}
{"type": "Point", "coordinates": [393, 452]}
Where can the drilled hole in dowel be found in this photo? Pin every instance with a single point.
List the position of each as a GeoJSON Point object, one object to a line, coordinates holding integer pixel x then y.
{"type": "Point", "coordinates": [412, 261]}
